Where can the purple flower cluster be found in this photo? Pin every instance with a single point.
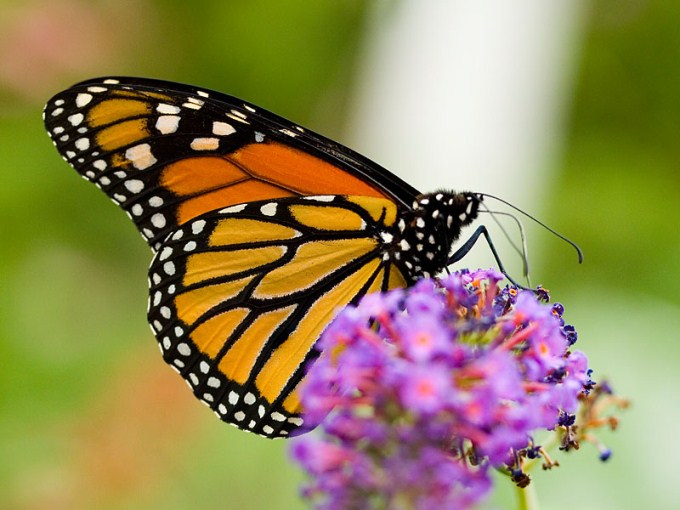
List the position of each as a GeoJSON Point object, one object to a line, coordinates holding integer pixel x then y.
{"type": "Point", "coordinates": [420, 391]}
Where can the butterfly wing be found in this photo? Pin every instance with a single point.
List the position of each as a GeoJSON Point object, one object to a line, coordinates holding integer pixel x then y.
{"type": "Point", "coordinates": [261, 231]}
{"type": "Point", "coordinates": [167, 153]}
{"type": "Point", "coordinates": [239, 296]}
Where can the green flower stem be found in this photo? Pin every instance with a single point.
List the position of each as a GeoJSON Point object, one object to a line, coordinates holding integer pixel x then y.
{"type": "Point", "coordinates": [526, 498]}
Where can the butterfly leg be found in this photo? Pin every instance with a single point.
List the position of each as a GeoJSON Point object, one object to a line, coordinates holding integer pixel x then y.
{"type": "Point", "coordinates": [467, 246]}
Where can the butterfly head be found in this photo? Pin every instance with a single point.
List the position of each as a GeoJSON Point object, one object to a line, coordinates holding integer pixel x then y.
{"type": "Point", "coordinates": [428, 230]}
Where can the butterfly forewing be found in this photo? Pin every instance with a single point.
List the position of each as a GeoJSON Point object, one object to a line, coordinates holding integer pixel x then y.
{"type": "Point", "coordinates": [167, 153]}
{"type": "Point", "coordinates": [238, 297]}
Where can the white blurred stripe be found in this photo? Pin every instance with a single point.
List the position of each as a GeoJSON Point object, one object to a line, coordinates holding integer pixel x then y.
{"type": "Point", "coordinates": [467, 94]}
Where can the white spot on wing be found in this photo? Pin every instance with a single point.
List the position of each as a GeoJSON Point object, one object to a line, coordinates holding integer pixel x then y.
{"type": "Point", "coordinates": [140, 156]}
{"type": "Point", "coordinates": [386, 237]}
{"type": "Point", "coordinates": [193, 103]}
{"type": "Point", "coordinates": [167, 124]}
{"type": "Point", "coordinates": [134, 185]}
{"type": "Point", "coordinates": [158, 220]}
{"type": "Point", "coordinates": [76, 119]}
{"type": "Point", "coordinates": [320, 198]}
{"type": "Point", "coordinates": [222, 128]}
{"type": "Point", "coordinates": [198, 226]}
{"type": "Point", "coordinates": [268, 209]}
{"type": "Point", "coordinates": [236, 118]}
{"type": "Point", "coordinates": [83, 99]}
{"type": "Point", "coordinates": [167, 109]}
{"type": "Point", "coordinates": [205, 144]}
{"type": "Point", "coordinates": [82, 144]}
{"type": "Point", "coordinates": [233, 208]}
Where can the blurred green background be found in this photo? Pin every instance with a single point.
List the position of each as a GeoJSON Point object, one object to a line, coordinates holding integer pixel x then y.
{"type": "Point", "coordinates": [90, 416]}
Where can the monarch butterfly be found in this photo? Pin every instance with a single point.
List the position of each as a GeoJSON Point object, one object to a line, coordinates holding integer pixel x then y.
{"type": "Point", "coordinates": [260, 231]}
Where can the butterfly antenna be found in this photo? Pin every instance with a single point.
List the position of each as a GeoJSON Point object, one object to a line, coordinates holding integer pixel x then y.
{"type": "Point", "coordinates": [523, 252]}
{"type": "Point", "coordinates": [552, 231]}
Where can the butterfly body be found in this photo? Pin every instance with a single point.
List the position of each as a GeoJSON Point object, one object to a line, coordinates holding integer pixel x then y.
{"type": "Point", "coordinates": [261, 230]}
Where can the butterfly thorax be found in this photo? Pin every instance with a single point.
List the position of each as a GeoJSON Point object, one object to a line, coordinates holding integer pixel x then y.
{"type": "Point", "coordinates": [425, 233]}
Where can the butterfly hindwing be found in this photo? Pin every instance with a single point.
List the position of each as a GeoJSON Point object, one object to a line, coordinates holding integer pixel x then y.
{"type": "Point", "coordinates": [167, 153]}
{"type": "Point", "coordinates": [239, 296]}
